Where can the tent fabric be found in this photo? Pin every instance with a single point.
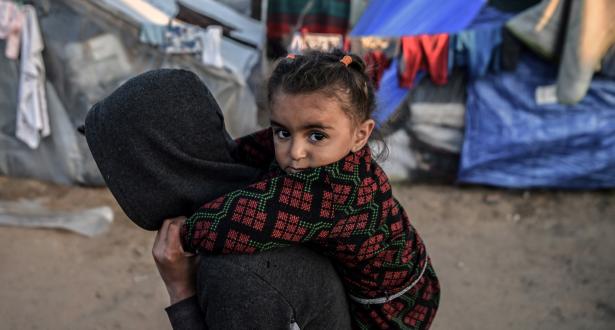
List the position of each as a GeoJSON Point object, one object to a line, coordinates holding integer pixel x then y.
{"type": "Point", "coordinates": [90, 49]}
{"type": "Point", "coordinates": [514, 139]}
{"type": "Point", "coordinates": [394, 18]}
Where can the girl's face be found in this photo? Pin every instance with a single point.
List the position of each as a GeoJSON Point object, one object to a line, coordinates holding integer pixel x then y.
{"type": "Point", "coordinates": [311, 130]}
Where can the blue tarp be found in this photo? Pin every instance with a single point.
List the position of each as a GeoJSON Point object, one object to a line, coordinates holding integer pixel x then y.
{"type": "Point", "coordinates": [512, 141]}
{"type": "Point", "coordinates": [395, 18]}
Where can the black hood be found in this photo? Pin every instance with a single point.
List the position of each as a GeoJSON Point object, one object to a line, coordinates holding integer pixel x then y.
{"type": "Point", "coordinates": [161, 146]}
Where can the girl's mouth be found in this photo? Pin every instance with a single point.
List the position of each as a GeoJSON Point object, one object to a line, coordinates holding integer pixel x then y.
{"type": "Point", "coordinates": [290, 169]}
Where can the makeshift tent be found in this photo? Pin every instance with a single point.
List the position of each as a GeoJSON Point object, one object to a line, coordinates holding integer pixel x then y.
{"type": "Point", "coordinates": [515, 132]}
{"type": "Point", "coordinates": [91, 47]}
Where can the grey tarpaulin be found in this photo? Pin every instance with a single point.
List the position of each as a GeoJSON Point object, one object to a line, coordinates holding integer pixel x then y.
{"type": "Point", "coordinates": [58, 158]}
{"type": "Point", "coordinates": [90, 49]}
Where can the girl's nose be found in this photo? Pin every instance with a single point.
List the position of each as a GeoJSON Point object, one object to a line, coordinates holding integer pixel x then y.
{"type": "Point", "coordinates": [297, 150]}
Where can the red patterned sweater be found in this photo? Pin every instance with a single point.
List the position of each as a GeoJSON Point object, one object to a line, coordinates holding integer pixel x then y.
{"type": "Point", "coordinates": [344, 210]}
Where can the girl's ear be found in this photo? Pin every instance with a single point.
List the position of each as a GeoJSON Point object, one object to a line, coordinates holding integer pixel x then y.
{"type": "Point", "coordinates": [362, 134]}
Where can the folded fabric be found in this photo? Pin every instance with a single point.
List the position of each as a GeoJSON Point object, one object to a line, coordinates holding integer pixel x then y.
{"type": "Point", "coordinates": [424, 52]}
{"type": "Point", "coordinates": [578, 32]}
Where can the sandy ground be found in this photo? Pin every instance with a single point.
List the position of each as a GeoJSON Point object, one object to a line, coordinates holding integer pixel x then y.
{"type": "Point", "coordinates": [506, 260]}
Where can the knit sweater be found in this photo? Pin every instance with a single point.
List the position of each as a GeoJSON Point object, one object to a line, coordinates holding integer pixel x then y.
{"type": "Point", "coordinates": [344, 210]}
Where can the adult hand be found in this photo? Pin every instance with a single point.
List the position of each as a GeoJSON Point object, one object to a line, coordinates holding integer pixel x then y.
{"type": "Point", "coordinates": [176, 267]}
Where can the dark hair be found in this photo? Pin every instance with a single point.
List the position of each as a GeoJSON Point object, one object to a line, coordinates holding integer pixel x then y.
{"type": "Point", "coordinates": [322, 72]}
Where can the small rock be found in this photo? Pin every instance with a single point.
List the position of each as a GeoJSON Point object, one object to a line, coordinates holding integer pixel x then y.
{"type": "Point", "coordinates": [516, 217]}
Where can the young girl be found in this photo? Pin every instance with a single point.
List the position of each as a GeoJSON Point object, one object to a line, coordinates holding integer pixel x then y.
{"type": "Point", "coordinates": [323, 189]}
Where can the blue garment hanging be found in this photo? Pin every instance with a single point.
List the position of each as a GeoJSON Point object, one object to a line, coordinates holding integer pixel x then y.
{"type": "Point", "coordinates": [478, 50]}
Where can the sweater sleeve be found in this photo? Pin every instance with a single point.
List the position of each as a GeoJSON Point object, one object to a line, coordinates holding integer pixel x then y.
{"type": "Point", "coordinates": [280, 211]}
{"type": "Point", "coordinates": [186, 315]}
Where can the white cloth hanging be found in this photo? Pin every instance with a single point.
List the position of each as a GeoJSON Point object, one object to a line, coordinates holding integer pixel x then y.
{"type": "Point", "coordinates": [32, 116]}
{"type": "Point", "coordinates": [212, 39]}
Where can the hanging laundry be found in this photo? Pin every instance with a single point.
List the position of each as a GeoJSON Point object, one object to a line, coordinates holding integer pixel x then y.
{"type": "Point", "coordinates": [425, 52]}
{"type": "Point", "coordinates": [325, 42]}
{"type": "Point", "coordinates": [152, 34]}
{"type": "Point", "coordinates": [363, 45]}
{"type": "Point", "coordinates": [478, 50]}
{"type": "Point", "coordinates": [11, 22]}
{"type": "Point", "coordinates": [211, 40]}
{"type": "Point", "coordinates": [377, 52]}
{"type": "Point", "coordinates": [214, 49]}
{"type": "Point", "coordinates": [182, 39]}
{"type": "Point", "coordinates": [32, 116]}
{"type": "Point", "coordinates": [377, 62]}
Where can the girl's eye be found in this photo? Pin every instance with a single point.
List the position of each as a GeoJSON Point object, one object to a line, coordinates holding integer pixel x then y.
{"type": "Point", "coordinates": [317, 136]}
{"type": "Point", "coordinates": [282, 134]}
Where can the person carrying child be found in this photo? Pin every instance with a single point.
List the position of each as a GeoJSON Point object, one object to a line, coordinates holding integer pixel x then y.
{"type": "Point", "coordinates": [319, 186]}
{"type": "Point", "coordinates": [160, 144]}
{"type": "Point", "coordinates": [323, 189]}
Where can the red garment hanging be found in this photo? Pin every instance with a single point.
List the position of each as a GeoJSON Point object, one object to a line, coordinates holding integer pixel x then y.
{"type": "Point", "coordinates": [428, 52]}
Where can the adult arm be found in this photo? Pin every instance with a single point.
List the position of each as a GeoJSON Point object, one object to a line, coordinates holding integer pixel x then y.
{"type": "Point", "coordinates": [177, 270]}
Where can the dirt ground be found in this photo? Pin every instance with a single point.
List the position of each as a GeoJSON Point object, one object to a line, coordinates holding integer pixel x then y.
{"type": "Point", "coordinates": [506, 260]}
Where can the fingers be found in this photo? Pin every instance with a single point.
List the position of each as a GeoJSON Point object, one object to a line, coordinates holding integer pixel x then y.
{"type": "Point", "coordinates": [167, 245]}
{"type": "Point", "coordinates": [172, 238]}
{"type": "Point", "coordinates": [173, 235]}
{"type": "Point", "coordinates": [160, 247]}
